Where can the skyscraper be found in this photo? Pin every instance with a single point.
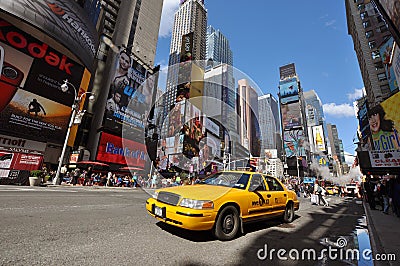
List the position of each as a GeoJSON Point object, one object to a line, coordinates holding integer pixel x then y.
{"type": "Point", "coordinates": [247, 108]}
{"type": "Point", "coordinates": [336, 148]}
{"type": "Point", "coordinates": [369, 31]}
{"type": "Point", "coordinates": [191, 17]}
{"type": "Point", "coordinates": [218, 48]}
{"type": "Point", "coordinates": [268, 118]}
{"type": "Point", "coordinates": [133, 26]}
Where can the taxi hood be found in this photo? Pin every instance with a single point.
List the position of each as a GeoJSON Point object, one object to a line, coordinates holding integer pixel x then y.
{"type": "Point", "coordinates": [199, 192]}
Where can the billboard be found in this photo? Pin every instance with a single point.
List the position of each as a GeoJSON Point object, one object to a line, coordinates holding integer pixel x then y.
{"type": "Point", "coordinates": [289, 90]}
{"type": "Point", "coordinates": [385, 159]}
{"type": "Point", "coordinates": [187, 48]}
{"type": "Point", "coordinates": [15, 166]}
{"type": "Point", "coordinates": [130, 97]}
{"type": "Point", "coordinates": [319, 138]}
{"type": "Point", "coordinates": [291, 116]}
{"type": "Point", "coordinates": [386, 51]}
{"type": "Point", "coordinates": [62, 20]}
{"type": "Point", "coordinates": [384, 123]}
{"type": "Point", "coordinates": [293, 143]}
{"type": "Point", "coordinates": [114, 149]}
{"type": "Point", "coordinates": [32, 103]}
{"type": "Point", "coordinates": [271, 153]}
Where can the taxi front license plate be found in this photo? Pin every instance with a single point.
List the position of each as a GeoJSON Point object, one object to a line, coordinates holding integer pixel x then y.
{"type": "Point", "coordinates": [159, 211]}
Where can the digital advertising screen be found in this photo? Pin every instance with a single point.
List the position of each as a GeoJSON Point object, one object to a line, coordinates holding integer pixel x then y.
{"type": "Point", "coordinates": [294, 143]}
{"type": "Point", "coordinates": [289, 90]}
{"type": "Point", "coordinates": [291, 116]}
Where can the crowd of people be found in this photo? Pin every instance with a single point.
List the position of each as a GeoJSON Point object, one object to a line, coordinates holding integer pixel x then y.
{"type": "Point", "coordinates": [384, 193]}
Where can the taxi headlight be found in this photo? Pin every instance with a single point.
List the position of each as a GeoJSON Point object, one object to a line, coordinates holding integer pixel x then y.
{"type": "Point", "coordinates": [196, 204]}
{"type": "Point", "coordinates": [155, 195]}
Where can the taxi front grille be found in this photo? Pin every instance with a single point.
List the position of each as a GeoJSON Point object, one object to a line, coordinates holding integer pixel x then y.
{"type": "Point", "coordinates": [168, 198]}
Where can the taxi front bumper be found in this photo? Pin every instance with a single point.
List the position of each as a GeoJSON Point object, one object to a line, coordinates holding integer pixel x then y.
{"type": "Point", "coordinates": [191, 219]}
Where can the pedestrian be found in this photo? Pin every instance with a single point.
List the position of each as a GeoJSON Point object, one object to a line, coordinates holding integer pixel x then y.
{"type": "Point", "coordinates": [134, 179]}
{"type": "Point", "coordinates": [319, 191]}
{"type": "Point", "coordinates": [369, 190]}
{"type": "Point", "coordinates": [75, 176]}
{"type": "Point", "coordinates": [63, 172]}
{"type": "Point", "coordinates": [154, 180]}
{"type": "Point", "coordinates": [396, 196]}
{"type": "Point", "coordinates": [109, 176]}
{"type": "Point", "coordinates": [385, 197]}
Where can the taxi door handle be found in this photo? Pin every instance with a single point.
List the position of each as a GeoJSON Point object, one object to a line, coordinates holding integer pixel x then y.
{"type": "Point", "coordinates": [269, 195]}
{"type": "Point", "coordinates": [284, 195]}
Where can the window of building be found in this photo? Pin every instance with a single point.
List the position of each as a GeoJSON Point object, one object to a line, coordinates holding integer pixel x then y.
{"type": "Point", "coordinates": [378, 65]}
{"type": "Point", "coordinates": [372, 44]}
{"type": "Point", "coordinates": [379, 19]}
{"type": "Point", "coordinates": [369, 34]}
{"type": "Point", "coordinates": [366, 24]}
{"type": "Point", "coordinates": [382, 77]}
{"type": "Point", "coordinates": [385, 89]}
{"type": "Point", "coordinates": [375, 54]}
{"type": "Point", "coordinates": [383, 28]}
{"type": "Point", "coordinates": [364, 15]}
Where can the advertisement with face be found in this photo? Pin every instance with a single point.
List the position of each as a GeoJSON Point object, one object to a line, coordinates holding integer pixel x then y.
{"type": "Point", "coordinates": [386, 51]}
{"type": "Point", "coordinates": [291, 116]}
{"type": "Point", "coordinates": [114, 149]}
{"type": "Point", "coordinates": [384, 123]}
{"type": "Point", "coordinates": [289, 90]}
{"type": "Point", "coordinates": [293, 143]}
{"type": "Point", "coordinates": [129, 99]}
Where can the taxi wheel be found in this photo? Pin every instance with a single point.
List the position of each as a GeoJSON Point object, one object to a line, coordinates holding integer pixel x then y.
{"type": "Point", "coordinates": [288, 216]}
{"type": "Point", "coordinates": [227, 224]}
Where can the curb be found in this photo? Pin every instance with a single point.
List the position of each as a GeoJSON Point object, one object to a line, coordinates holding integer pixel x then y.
{"type": "Point", "coordinates": [375, 241]}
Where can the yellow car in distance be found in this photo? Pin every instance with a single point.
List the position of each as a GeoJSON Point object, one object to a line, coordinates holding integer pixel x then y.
{"type": "Point", "coordinates": [223, 202]}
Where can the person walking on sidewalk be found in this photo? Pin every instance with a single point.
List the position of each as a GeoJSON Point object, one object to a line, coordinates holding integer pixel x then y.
{"type": "Point", "coordinates": [385, 197]}
{"type": "Point", "coordinates": [369, 190]}
{"type": "Point", "coordinates": [319, 191]}
{"type": "Point", "coordinates": [396, 196]}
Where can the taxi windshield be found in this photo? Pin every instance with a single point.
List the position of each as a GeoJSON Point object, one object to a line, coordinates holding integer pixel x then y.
{"type": "Point", "coordinates": [234, 180]}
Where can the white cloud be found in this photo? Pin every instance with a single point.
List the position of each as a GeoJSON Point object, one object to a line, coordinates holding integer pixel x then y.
{"type": "Point", "coordinates": [330, 23]}
{"type": "Point", "coordinates": [167, 17]}
{"type": "Point", "coordinates": [341, 110]}
{"type": "Point", "coordinates": [357, 94]}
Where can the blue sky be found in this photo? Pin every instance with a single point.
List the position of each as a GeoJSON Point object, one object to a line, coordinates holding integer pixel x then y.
{"type": "Point", "coordinates": [265, 35]}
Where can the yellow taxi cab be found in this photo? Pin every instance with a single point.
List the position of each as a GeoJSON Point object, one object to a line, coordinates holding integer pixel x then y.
{"type": "Point", "coordinates": [223, 202]}
{"type": "Point", "coordinates": [331, 190]}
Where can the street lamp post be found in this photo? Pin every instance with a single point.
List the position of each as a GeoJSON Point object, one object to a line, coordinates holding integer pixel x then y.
{"type": "Point", "coordinates": [75, 112]}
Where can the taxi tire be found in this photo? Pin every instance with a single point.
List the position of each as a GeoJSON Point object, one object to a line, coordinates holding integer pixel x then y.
{"type": "Point", "coordinates": [288, 216]}
{"type": "Point", "coordinates": [227, 224]}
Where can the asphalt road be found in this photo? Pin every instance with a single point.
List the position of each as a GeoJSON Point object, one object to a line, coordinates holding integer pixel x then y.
{"type": "Point", "coordinates": [89, 226]}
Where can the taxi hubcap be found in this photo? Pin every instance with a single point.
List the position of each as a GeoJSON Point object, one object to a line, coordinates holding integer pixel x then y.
{"type": "Point", "coordinates": [228, 223]}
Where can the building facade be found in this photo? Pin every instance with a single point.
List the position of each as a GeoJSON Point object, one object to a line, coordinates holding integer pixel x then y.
{"type": "Point", "coordinates": [369, 31]}
{"type": "Point", "coordinates": [42, 44]}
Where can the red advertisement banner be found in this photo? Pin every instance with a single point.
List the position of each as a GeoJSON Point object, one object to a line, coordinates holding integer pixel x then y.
{"type": "Point", "coordinates": [114, 149]}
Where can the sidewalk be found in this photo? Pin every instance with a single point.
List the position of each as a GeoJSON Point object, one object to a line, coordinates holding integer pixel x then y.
{"type": "Point", "coordinates": [384, 233]}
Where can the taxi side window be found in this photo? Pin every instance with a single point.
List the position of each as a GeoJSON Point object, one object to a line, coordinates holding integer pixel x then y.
{"type": "Point", "coordinates": [273, 184]}
{"type": "Point", "coordinates": [257, 183]}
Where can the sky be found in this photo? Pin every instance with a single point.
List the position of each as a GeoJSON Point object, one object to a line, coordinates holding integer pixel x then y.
{"type": "Point", "coordinates": [265, 35]}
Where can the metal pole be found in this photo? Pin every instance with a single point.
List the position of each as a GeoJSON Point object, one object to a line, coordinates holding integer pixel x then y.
{"type": "Point", "coordinates": [71, 122]}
